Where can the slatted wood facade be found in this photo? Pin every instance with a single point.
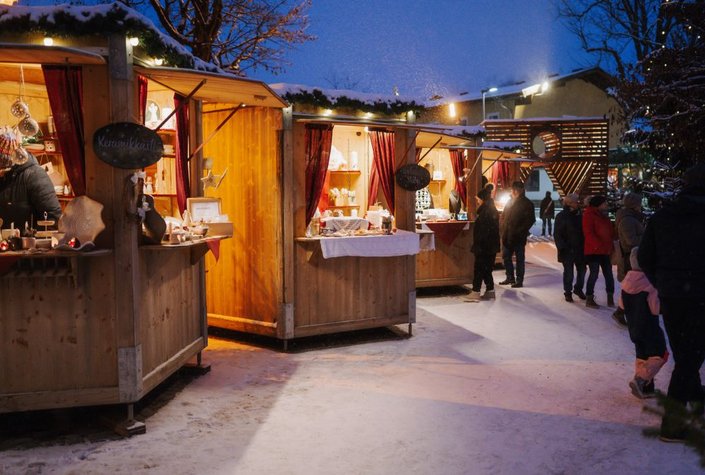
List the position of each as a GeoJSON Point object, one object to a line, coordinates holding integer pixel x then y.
{"type": "Point", "coordinates": [575, 156]}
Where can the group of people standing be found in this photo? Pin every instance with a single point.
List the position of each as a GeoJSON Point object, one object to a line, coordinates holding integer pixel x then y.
{"type": "Point", "coordinates": [661, 267]}
{"type": "Point", "coordinates": [518, 217]}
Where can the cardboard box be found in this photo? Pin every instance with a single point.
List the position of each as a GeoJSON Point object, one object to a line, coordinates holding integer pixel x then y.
{"type": "Point", "coordinates": [208, 211]}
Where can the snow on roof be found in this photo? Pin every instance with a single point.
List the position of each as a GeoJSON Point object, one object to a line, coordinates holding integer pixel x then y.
{"type": "Point", "coordinates": [563, 118]}
{"type": "Point", "coordinates": [502, 144]}
{"type": "Point", "coordinates": [345, 97]}
{"type": "Point", "coordinates": [512, 89]}
{"type": "Point", "coordinates": [98, 19]}
{"type": "Point", "coordinates": [285, 88]}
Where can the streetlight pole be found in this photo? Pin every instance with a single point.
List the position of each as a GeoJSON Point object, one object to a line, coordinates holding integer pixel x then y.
{"type": "Point", "coordinates": [484, 92]}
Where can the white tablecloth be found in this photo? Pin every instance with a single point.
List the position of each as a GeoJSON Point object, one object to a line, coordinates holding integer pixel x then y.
{"type": "Point", "coordinates": [345, 223]}
{"type": "Point", "coordinates": [401, 243]}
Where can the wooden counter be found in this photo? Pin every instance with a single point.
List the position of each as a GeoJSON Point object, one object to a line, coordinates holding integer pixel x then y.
{"type": "Point", "coordinates": [448, 264]}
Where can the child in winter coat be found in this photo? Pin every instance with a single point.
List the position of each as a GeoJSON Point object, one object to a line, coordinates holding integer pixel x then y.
{"type": "Point", "coordinates": [640, 302]}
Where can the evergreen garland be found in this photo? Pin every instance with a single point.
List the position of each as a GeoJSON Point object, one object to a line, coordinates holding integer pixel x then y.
{"type": "Point", "coordinates": [318, 98]}
{"type": "Point", "coordinates": [90, 21]}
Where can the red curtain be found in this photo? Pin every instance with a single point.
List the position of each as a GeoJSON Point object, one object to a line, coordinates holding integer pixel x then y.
{"type": "Point", "coordinates": [319, 139]}
{"type": "Point", "coordinates": [500, 175]}
{"type": "Point", "coordinates": [457, 161]}
{"type": "Point", "coordinates": [142, 85]}
{"type": "Point", "coordinates": [183, 188]}
{"type": "Point", "coordinates": [383, 159]}
{"type": "Point", "coordinates": [65, 90]}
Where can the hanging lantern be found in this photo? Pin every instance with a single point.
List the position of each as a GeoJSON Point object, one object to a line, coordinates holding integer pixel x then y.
{"type": "Point", "coordinates": [19, 109]}
{"type": "Point", "coordinates": [28, 127]}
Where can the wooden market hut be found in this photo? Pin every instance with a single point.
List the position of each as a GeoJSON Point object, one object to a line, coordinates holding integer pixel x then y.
{"type": "Point", "coordinates": [105, 326]}
{"type": "Point", "coordinates": [449, 261]}
{"type": "Point", "coordinates": [275, 280]}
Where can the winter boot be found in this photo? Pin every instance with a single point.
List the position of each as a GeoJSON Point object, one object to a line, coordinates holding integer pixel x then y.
{"type": "Point", "coordinates": [568, 297]}
{"type": "Point", "coordinates": [590, 302]}
{"type": "Point", "coordinates": [619, 317]}
{"type": "Point", "coordinates": [472, 297]}
{"type": "Point", "coordinates": [641, 388]}
{"type": "Point", "coordinates": [488, 295]}
{"type": "Point", "coordinates": [579, 293]}
{"type": "Point", "coordinates": [610, 300]}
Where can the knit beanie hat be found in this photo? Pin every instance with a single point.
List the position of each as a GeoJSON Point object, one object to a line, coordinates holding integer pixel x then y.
{"type": "Point", "coordinates": [597, 200]}
{"type": "Point", "coordinates": [8, 148]}
{"type": "Point", "coordinates": [632, 200]}
{"type": "Point", "coordinates": [633, 259]}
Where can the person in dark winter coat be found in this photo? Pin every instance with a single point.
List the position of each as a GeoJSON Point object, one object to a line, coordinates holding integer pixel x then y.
{"type": "Point", "coordinates": [26, 191]}
{"type": "Point", "coordinates": [640, 303]}
{"type": "Point", "coordinates": [599, 236]}
{"type": "Point", "coordinates": [672, 255]}
{"type": "Point", "coordinates": [518, 217]}
{"type": "Point", "coordinates": [547, 211]}
{"type": "Point", "coordinates": [568, 235]}
{"type": "Point", "coordinates": [485, 246]}
{"type": "Point", "coordinates": [630, 227]}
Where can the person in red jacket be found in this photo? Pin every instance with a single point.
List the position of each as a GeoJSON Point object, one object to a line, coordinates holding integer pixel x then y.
{"type": "Point", "coordinates": [599, 236]}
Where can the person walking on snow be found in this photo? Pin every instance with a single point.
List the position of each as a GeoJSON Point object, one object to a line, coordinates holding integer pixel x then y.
{"type": "Point", "coordinates": [568, 235]}
{"type": "Point", "coordinates": [630, 228]}
{"type": "Point", "coordinates": [518, 217]}
{"type": "Point", "coordinates": [547, 211]}
{"type": "Point", "coordinates": [485, 246]}
{"type": "Point", "coordinates": [599, 235]}
{"type": "Point", "coordinates": [639, 302]}
{"type": "Point", "coordinates": [672, 255]}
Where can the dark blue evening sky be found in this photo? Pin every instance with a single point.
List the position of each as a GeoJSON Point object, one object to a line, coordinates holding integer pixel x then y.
{"type": "Point", "coordinates": [427, 47]}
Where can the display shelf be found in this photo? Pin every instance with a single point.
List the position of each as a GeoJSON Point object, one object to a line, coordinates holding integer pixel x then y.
{"type": "Point", "coordinates": [344, 172]}
{"type": "Point", "coordinates": [344, 206]}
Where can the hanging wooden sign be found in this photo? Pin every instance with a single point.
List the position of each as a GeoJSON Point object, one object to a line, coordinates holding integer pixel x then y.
{"type": "Point", "coordinates": [413, 177]}
{"type": "Point", "coordinates": [127, 145]}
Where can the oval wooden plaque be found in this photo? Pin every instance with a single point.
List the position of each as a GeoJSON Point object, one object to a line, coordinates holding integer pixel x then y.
{"type": "Point", "coordinates": [413, 177]}
{"type": "Point", "coordinates": [127, 145]}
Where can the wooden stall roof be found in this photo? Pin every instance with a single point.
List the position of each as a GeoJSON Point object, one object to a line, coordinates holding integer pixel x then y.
{"type": "Point", "coordinates": [218, 87]}
{"type": "Point", "coordinates": [39, 54]}
{"type": "Point", "coordinates": [427, 135]}
{"type": "Point", "coordinates": [576, 149]}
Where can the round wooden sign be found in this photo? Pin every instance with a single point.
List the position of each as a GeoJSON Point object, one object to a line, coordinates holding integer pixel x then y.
{"type": "Point", "coordinates": [127, 145]}
{"type": "Point", "coordinates": [413, 177]}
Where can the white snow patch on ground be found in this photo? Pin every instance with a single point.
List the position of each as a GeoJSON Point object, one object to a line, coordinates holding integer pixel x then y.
{"type": "Point", "coordinates": [526, 384]}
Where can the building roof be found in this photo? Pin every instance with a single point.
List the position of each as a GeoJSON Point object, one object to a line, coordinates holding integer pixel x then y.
{"type": "Point", "coordinates": [595, 75]}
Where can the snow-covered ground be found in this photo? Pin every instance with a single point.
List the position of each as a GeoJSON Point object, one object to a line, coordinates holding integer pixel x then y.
{"type": "Point", "coordinates": [526, 384]}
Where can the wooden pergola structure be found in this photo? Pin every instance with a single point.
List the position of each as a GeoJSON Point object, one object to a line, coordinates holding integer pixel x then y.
{"type": "Point", "coordinates": [573, 151]}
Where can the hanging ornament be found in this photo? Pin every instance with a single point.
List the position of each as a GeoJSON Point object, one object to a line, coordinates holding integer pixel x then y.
{"type": "Point", "coordinates": [28, 126]}
{"type": "Point", "coordinates": [19, 109]}
{"type": "Point", "coordinates": [20, 156]}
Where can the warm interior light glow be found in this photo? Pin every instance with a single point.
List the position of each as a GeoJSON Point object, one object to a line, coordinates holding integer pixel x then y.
{"type": "Point", "coordinates": [328, 112]}
{"type": "Point", "coordinates": [451, 109]}
{"type": "Point", "coordinates": [158, 61]}
{"type": "Point", "coordinates": [368, 115]}
{"type": "Point", "coordinates": [48, 41]}
{"type": "Point", "coordinates": [134, 41]}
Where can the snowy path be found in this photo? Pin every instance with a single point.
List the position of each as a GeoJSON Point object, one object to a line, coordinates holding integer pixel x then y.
{"type": "Point", "coordinates": [527, 384]}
